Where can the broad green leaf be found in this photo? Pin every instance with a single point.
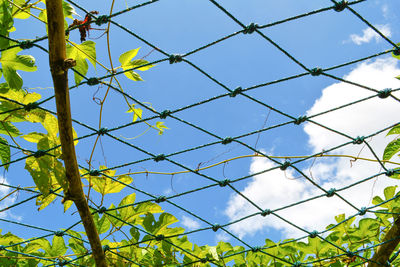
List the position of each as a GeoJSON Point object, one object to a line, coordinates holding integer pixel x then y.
{"type": "Point", "coordinates": [127, 63]}
{"type": "Point", "coordinates": [50, 123]}
{"type": "Point", "coordinates": [126, 57]}
{"type": "Point", "coordinates": [391, 149]}
{"type": "Point", "coordinates": [105, 185]}
{"type": "Point", "coordinates": [31, 97]}
{"type": "Point", "coordinates": [68, 10]}
{"type": "Point", "coordinates": [389, 192]}
{"type": "Point", "coordinates": [22, 13]}
{"type": "Point", "coordinates": [11, 63]}
{"type": "Point", "coordinates": [58, 247]}
{"type": "Point", "coordinates": [81, 53]}
{"type": "Point", "coordinates": [7, 128]}
{"type": "Point", "coordinates": [43, 201]}
{"type": "Point", "coordinates": [133, 76]}
{"type": "Point", "coordinates": [67, 204]}
{"type": "Point", "coordinates": [9, 238]}
{"type": "Point", "coordinates": [40, 174]}
{"type": "Point", "coordinates": [102, 224]}
{"type": "Point", "coordinates": [394, 130]}
{"type": "Point", "coordinates": [33, 137]}
{"type": "Point", "coordinates": [137, 63]}
{"type": "Point", "coordinates": [6, 23]}
{"type": "Point", "coordinates": [59, 172]}
{"type": "Point", "coordinates": [4, 152]}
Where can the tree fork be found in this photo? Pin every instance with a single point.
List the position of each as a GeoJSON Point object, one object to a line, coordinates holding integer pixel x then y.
{"type": "Point", "coordinates": [59, 69]}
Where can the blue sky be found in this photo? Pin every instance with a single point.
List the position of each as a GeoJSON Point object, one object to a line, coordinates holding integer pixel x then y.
{"type": "Point", "coordinates": [177, 27]}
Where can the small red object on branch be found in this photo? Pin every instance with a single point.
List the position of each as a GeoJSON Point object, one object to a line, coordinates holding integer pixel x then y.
{"type": "Point", "coordinates": [84, 25]}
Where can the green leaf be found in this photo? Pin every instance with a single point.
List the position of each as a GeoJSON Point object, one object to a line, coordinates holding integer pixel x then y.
{"type": "Point", "coordinates": [33, 137]}
{"type": "Point", "coordinates": [18, 13]}
{"type": "Point", "coordinates": [8, 129]}
{"type": "Point", "coordinates": [389, 192]}
{"type": "Point", "coordinates": [59, 173]}
{"type": "Point", "coordinates": [81, 53]}
{"type": "Point", "coordinates": [137, 112]}
{"type": "Point", "coordinates": [391, 149]}
{"type": "Point", "coordinates": [4, 152]}
{"type": "Point", "coordinates": [6, 23]}
{"type": "Point", "coordinates": [67, 204]}
{"type": "Point", "coordinates": [58, 247]}
{"type": "Point", "coordinates": [68, 10]}
{"type": "Point", "coordinates": [105, 185]}
{"type": "Point", "coordinates": [127, 63]}
{"type": "Point", "coordinates": [50, 123]}
{"type": "Point", "coordinates": [43, 201]}
{"type": "Point", "coordinates": [394, 130]}
{"type": "Point", "coordinates": [38, 168]}
{"type": "Point", "coordinates": [126, 57]}
{"type": "Point", "coordinates": [136, 63]}
{"type": "Point", "coordinates": [161, 127]}
{"type": "Point", "coordinates": [11, 62]}
{"type": "Point", "coordinates": [102, 224]}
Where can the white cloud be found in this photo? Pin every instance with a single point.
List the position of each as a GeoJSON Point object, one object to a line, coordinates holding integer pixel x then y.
{"type": "Point", "coordinates": [190, 223]}
{"type": "Point", "coordinates": [369, 34]}
{"type": "Point", "coordinates": [277, 188]}
{"type": "Point", "coordinates": [7, 201]}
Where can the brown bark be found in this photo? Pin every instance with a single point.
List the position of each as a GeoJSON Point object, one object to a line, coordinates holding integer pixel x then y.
{"type": "Point", "coordinates": [59, 68]}
{"type": "Point", "coordinates": [384, 251]}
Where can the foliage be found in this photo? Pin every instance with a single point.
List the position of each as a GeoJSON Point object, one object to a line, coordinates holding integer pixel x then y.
{"type": "Point", "coordinates": [148, 237]}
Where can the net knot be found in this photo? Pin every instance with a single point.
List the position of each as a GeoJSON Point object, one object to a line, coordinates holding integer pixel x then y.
{"type": "Point", "coordinates": [175, 58]}
{"type": "Point", "coordinates": [160, 157]}
{"type": "Point", "coordinates": [227, 140]}
{"type": "Point", "coordinates": [102, 210]}
{"type": "Point", "coordinates": [224, 182]}
{"type": "Point", "coordinates": [215, 227]}
{"type": "Point", "coordinates": [297, 264]}
{"type": "Point", "coordinates": [160, 237]}
{"type": "Point", "coordinates": [331, 192]}
{"type": "Point", "coordinates": [28, 107]}
{"type": "Point", "coordinates": [93, 81]}
{"type": "Point", "coordinates": [26, 44]}
{"type": "Point", "coordinates": [62, 262]}
{"type": "Point", "coordinates": [236, 92]}
{"type": "Point", "coordinates": [39, 153]}
{"type": "Point", "coordinates": [363, 210]}
{"type": "Point", "coordinates": [106, 247]}
{"type": "Point", "coordinates": [396, 51]}
{"type": "Point", "coordinates": [390, 172]}
{"type": "Point", "coordinates": [285, 165]}
{"type": "Point", "coordinates": [313, 234]}
{"type": "Point", "coordinates": [160, 199]}
{"type": "Point", "coordinates": [59, 233]}
{"type": "Point", "coordinates": [384, 93]}
{"type": "Point", "coordinates": [2, 247]}
{"type": "Point", "coordinates": [204, 260]}
{"type": "Point", "coordinates": [350, 254]}
{"type": "Point", "coordinates": [300, 120]}
{"type": "Point", "coordinates": [165, 114]}
{"type": "Point", "coordinates": [266, 212]}
{"type": "Point", "coordinates": [250, 28]}
{"type": "Point", "coordinates": [340, 6]}
{"type": "Point", "coordinates": [358, 140]}
{"type": "Point", "coordinates": [102, 131]}
{"type": "Point", "coordinates": [94, 172]}
{"type": "Point", "coordinates": [316, 71]}
{"type": "Point", "coordinates": [101, 20]}
{"type": "Point", "coordinates": [255, 249]}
